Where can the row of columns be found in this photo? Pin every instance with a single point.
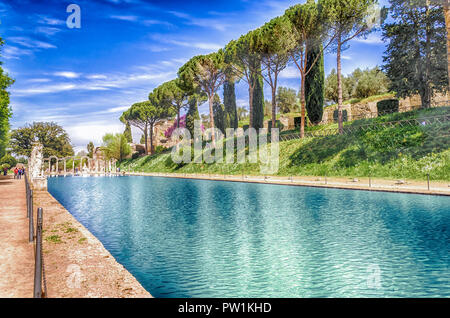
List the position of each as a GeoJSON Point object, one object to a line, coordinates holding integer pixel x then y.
{"type": "Point", "coordinates": [107, 168]}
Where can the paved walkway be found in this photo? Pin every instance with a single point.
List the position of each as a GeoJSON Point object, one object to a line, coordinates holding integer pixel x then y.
{"type": "Point", "coordinates": [16, 253]}
{"type": "Point", "coordinates": [402, 186]}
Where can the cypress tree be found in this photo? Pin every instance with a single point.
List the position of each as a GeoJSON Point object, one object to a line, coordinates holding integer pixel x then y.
{"type": "Point", "coordinates": [315, 85]}
{"type": "Point", "coordinates": [192, 113]}
{"type": "Point", "coordinates": [127, 133]}
{"type": "Point", "coordinates": [229, 102]}
{"type": "Point", "coordinates": [258, 101]}
{"type": "Point", "coordinates": [219, 114]}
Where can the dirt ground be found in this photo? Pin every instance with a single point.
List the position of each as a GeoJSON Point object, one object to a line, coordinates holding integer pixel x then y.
{"type": "Point", "coordinates": [76, 263]}
{"type": "Point", "coordinates": [17, 255]}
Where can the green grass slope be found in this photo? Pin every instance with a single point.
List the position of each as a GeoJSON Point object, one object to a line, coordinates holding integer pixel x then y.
{"type": "Point", "coordinates": [401, 150]}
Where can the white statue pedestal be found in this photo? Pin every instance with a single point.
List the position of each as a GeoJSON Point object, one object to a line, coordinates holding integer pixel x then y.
{"type": "Point", "coordinates": [39, 184]}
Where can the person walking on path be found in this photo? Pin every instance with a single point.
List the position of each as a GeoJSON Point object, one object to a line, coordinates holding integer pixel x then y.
{"type": "Point", "coordinates": [16, 171]}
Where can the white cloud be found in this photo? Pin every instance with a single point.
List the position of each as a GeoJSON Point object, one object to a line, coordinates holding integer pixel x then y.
{"type": "Point", "coordinates": [38, 80]}
{"type": "Point", "coordinates": [117, 109]}
{"type": "Point", "coordinates": [106, 82]}
{"type": "Point", "coordinates": [43, 89]}
{"type": "Point", "coordinates": [217, 24]}
{"type": "Point", "coordinates": [197, 45]}
{"type": "Point", "coordinates": [50, 21]}
{"type": "Point", "coordinates": [124, 17]}
{"type": "Point", "coordinates": [30, 43]}
{"type": "Point", "coordinates": [67, 74]}
{"type": "Point", "coordinates": [372, 38]}
{"type": "Point", "coordinates": [12, 52]}
{"type": "Point", "coordinates": [96, 76]}
{"type": "Point", "coordinates": [48, 31]}
{"type": "Point", "coordinates": [291, 71]}
{"type": "Point", "coordinates": [82, 133]}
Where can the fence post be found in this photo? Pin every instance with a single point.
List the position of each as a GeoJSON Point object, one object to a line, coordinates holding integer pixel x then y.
{"type": "Point", "coordinates": [38, 257]}
{"type": "Point", "coordinates": [30, 218]}
{"type": "Point", "coordinates": [27, 195]}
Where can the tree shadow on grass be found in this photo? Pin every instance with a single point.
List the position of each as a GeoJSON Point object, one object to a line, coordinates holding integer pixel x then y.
{"type": "Point", "coordinates": [319, 150]}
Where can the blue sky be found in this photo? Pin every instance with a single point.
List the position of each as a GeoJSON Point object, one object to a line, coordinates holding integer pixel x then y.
{"type": "Point", "coordinates": [85, 78]}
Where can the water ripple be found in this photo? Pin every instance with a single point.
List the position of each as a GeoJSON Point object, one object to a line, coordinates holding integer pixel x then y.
{"type": "Point", "coordinates": [192, 238]}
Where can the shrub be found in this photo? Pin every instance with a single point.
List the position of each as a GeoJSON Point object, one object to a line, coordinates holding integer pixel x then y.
{"type": "Point", "coordinates": [344, 115]}
{"type": "Point", "coordinates": [298, 122]}
{"type": "Point", "coordinates": [278, 125]}
{"type": "Point", "coordinates": [387, 106]}
{"type": "Point", "coordinates": [9, 160]}
{"type": "Point", "coordinates": [159, 149]}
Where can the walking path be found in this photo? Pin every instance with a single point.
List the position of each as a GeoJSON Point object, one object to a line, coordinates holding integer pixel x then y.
{"type": "Point", "coordinates": [16, 253]}
{"type": "Point", "coordinates": [402, 186]}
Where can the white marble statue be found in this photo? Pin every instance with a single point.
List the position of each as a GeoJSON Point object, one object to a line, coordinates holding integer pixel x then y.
{"type": "Point", "coordinates": [35, 162]}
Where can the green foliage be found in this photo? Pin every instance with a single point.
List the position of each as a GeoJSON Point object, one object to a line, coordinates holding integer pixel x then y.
{"type": "Point", "coordinates": [242, 113]}
{"type": "Point", "coordinates": [219, 114]}
{"type": "Point", "coordinates": [315, 84]}
{"type": "Point", "coordinates": [258, 101]}
{"type": "Point", "coordinates": [387, 106]}
{"type": "Point", "coordinates": [205, 74]}
{"type": "Point", "coordinates": [287, 100]}
{"type": "Point", "coordinates": [127, 133]}
{"type": "Point", "coordinates": [53, 137]}
{"type": "Point", "coordinates": [8, 159]}
{"type": "Point", "coordinates": [90, 148]}
{"type": "Point", "coordinates": [115, 146]}
{"type": "Point", "coordinates": [145, 115]}
{"type": "Point", "coordinates": [244, 62]}
{"type": "Point", "coordinates": [171, 96]}
{"type": "Point", "coordinates": [192, 113]}
{"type": "Point", "coordinates": [416, 56]}
{"type": "Point", "coordinates": [336, 115]}
{"type": "Point", "coordinates": [229, 102]}
{"type": "Point", "coordinates": [5, 110]}
{"type": "Point", "coordinates": [368, 82]}
{"type": "Point", "coordinates": [359, 84]}
{"type": "Point", "coordinates": [398, 151]}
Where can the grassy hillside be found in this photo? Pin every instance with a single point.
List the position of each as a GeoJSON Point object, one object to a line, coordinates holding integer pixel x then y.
{"type": "Point", "coordinates": [397, 151]}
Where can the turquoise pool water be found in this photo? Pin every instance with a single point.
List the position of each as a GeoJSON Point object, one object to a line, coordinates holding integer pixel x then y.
{"type": "Point", "coordinates": [195, 238]}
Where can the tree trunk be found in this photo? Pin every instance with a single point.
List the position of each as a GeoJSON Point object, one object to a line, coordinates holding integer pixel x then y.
{"type": "Point", "coordinates": [178, 117]}
{"type": "Point", "coordinates": [211, 120]}
{"type": "Point", "coordinates": [152, 149]}
{"type": "Point", "coordinates": [339, 85]}
{"type": "Point", "coordinates": [447, 26]}
{"type": "Point", "coordinates": [146, 139]}
{"type": "Point", "coordinates": [428, 84]}
{"type": "Point", "coordinates": [302, 102]}
{"type": "Point", "coordinates": [274, 106]}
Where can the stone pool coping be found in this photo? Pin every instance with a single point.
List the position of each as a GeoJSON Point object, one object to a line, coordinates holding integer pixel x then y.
{"type": "Point", "coordinates": [379, 185]}
{"type": "Point", "coordinates": [77, 265]}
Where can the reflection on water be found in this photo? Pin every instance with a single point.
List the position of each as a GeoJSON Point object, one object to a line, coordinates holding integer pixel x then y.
{"type": "Point", "coordinates": [197, 238]}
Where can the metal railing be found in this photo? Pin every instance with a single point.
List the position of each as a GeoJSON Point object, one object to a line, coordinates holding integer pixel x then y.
{"type": "Point", "coordinates": [29, 198]}
{"type": "Point", "coordinates": [40, 285]}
